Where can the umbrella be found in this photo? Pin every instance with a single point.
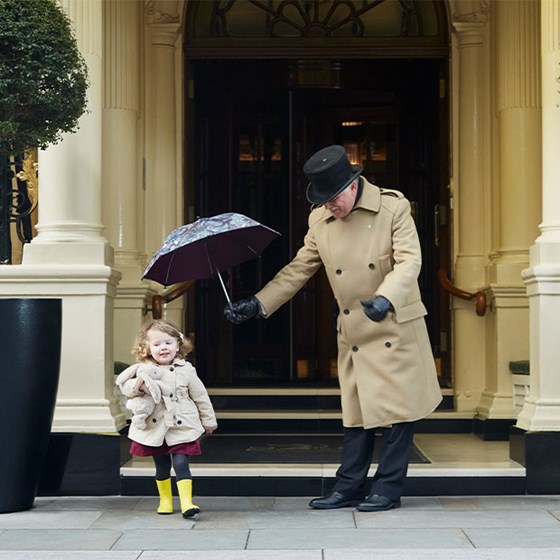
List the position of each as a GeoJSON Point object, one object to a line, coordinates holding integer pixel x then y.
{"type": "Point", "coordinates": [207, 247]}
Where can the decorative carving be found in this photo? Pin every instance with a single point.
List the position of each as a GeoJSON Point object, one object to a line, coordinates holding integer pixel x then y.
{"type": "Point", "coordinates": [29, 174]}
{"type": "Point", "coordinates": [156, 14]}
{"type": "Point", "coordinates": [478, 14]}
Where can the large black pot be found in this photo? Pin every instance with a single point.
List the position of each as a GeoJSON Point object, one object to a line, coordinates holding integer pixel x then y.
{"type": "Point", "coordinates": [30, 339]}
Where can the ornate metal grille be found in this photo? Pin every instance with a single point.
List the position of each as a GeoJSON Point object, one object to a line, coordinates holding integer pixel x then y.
{"type": "Point", "coordinates": [18, 199]}
{"type": "Point", "coordinates": [380, 27]}
{"type": "Point", "coordinates": [319, 18]}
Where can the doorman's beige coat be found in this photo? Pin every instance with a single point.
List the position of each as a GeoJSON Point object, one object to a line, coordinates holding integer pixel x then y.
{"type": "Point", "coordinates": [386, 370]}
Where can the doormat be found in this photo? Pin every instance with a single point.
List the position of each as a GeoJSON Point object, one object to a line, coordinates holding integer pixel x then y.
{"type": "Point", "coordinates": [274, 449]}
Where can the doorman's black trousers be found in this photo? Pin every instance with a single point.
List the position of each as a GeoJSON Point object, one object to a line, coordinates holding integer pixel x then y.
{"type": "Point", "coordinates": [357, 454]}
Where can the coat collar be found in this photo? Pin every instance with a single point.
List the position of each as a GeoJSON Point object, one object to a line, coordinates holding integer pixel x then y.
{"type": "Point", "coordinates": [175, 363]}
{"type": "Point", "coordinates": [370, 200]}
{"type": "Point", "coordinates": [371, 197]}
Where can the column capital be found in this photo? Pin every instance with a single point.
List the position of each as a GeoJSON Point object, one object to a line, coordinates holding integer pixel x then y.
{"type": "Point", "coordinates": [471, 12]}
{"type": "Point", "coordinates": [162, 11]}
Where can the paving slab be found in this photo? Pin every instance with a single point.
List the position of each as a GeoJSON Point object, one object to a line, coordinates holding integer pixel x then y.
{"type": "Point", "coordinates": [356, 538]}
{"type": "Point", "coordinates": [234, 555]}
{"type": "Point", "coordinates": [99, 503]}
{"type": "Point", "coordinates": [446, 554]}
{"type": "Point", "coordinates": [41, 519]}
{"type": "Point", "coordinates": [52, 539]}
{"type": "Point", "coordinates": [70, 555]}
{"type": "Point", "coordinates": [121, 521]}
{"type": "Point", "coordinates": [172, 539]}
{"type": "Point", "coordinates": [218, 503]}
{"type": "Point", "coordinates": [400, 518]}
{"type": "Point", "coordinates": [518, 503]}
{"type": "Point", "coordinates": [533, 537]}
{"type": "Point", "coordinates": [311, 519]}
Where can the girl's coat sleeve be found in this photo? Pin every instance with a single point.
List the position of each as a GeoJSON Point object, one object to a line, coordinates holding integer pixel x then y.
{"type": "Point", "coordinates": [199, 394]}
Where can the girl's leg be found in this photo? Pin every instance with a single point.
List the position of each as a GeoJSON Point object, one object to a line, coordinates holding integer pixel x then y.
{"type": "Point", "coordinates": [184, 484]}
{"type": "Point", "coordinates": [181, 466]}
{"type": "Point", "coordinates": [163, 466]}
{"type": "Point", "coordinates": [163, 481]}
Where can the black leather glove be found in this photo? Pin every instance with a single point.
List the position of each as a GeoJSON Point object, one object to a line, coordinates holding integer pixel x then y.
{"type": "Point", "coordinates": [242, 310]}
{"type": "Point", "coordinates": [377, 308]}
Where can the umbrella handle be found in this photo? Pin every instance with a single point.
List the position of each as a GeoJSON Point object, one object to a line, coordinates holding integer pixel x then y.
{"type": "Point", "coordinates": [224, 289]}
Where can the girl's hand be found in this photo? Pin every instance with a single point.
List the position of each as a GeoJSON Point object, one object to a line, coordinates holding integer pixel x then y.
{"type": "Point", "coordinates": [209, 431]}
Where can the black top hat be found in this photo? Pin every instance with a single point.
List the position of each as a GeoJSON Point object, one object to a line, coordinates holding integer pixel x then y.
{"type": "Point", "coordinates": [329, 172]}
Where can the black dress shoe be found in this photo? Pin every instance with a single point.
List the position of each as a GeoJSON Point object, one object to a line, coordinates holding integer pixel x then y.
{"type": "Point", "coordinates": [332, 501]}
{"type": "Point", "coordinates": [374, 502]}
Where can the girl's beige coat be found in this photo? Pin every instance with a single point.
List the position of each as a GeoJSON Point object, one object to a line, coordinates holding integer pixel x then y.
{"type": "Point", "coordinates": [386, 370]}
{"type": "Point", "coordinates": [180, 418]}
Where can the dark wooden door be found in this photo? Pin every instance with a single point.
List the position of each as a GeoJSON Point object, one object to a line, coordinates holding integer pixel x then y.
{"type": "Point", "coordinates": [254, 130]}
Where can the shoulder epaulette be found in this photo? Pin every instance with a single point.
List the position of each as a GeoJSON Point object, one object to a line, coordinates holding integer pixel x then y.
{"type": "Point", "coordinates": [392, 192]}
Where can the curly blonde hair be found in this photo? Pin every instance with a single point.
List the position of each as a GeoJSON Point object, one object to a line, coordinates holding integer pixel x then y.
{"type": "Point", "coordinates": [141, 348]}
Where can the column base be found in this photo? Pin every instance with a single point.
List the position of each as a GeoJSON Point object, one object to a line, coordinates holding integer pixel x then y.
{"type": "Point", "coordinates": [493, 429]}
{"type": "Point", "coordinates": [83, 465]}
{"type": "Point", "coordinates": [539, 453]}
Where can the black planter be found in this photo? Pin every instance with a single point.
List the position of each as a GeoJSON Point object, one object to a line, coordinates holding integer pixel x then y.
{"type": "Point", "coordinates": [30, 339]}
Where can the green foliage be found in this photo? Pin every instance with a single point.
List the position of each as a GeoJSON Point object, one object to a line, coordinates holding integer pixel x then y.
{"type": "Point", "coordinates": [43, 76]}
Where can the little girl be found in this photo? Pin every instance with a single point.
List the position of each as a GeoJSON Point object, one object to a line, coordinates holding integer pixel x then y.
{"type": "Point", "coordinates": [173, 430]}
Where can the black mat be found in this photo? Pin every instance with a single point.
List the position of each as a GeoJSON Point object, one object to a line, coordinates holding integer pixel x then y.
{"type": "Point", "coordinates": [273, 449]}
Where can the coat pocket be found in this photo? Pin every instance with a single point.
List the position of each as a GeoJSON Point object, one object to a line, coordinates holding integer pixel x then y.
{"type": "Point", "coordinates": [411, 311]}
{"type": "Point", "coordinates": [385, 264]}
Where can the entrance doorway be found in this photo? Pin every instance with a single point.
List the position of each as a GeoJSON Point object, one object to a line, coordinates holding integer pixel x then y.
{"type": "Point", "coordinates": [256, 123]}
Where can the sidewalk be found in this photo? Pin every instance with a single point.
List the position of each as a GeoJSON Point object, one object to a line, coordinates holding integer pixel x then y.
{"type": "Point", "coordinates": [434, 528]}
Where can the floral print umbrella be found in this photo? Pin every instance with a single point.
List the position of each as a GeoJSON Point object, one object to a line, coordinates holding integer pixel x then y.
{"type": "Point", "coordinates": [207, 247]}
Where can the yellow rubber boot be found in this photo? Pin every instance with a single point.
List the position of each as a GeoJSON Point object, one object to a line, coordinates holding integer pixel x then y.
{"type": "Point", "coordinates": [165, 497]}
{"type": "Point", "coordinates": [185, 496]}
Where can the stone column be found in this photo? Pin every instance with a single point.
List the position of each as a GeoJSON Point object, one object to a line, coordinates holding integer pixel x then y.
{"type": "Point", "coordinates": [539, 420]}
{"type": "Point", "coordinates": [164, 188]}
{"type": "Point", "coordinates": [123, 192]}
{"type": "Point", "coordinates": [70, 258]}
{"type": "Point", "coordinates": [517, 63]}
{"type": "Point", "coordinates": [541, 411]}
{"type": "Point", "coordinates": [471, 205]}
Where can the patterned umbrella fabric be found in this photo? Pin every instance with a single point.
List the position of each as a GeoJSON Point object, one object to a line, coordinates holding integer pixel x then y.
{"type": "Point", "coordinates": [207, 247]}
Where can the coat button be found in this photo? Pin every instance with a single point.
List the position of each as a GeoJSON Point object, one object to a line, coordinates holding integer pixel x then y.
{"type": "Point", "coordinates": [154, 420]}
{"type": "Point", "coordinates": [388, 345]}
{"type": "Point", "coordinates": [170, 395]}
{"type": "Point", "coordinates": [171, 368]}
{"type": "Point", "coordinates": [354, 348]}
{"type": "Point", "coordinates": [338, 271]}
{"type": "Point", "coordinates": [346, 311]}
{"type": "Point", "coordinates": [371, 265]}
{"type": "Point", "coordinates": [179, 421]}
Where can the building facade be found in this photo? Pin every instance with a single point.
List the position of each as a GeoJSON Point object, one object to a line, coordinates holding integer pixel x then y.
{"type": "Point", "coordinates": [474, 83]}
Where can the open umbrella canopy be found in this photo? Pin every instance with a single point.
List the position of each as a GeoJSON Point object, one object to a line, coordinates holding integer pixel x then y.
{"type": "Point", "coordinates": [207, 247]}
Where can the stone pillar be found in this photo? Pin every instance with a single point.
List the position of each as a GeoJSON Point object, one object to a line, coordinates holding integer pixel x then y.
{"type": "Point", "coordinates": [71, 259]}
{"type": "Point", "coordinates": [540, 416]}
{"type": "Point", "coordinates": [541, 410]}
{"type": "Point", "coordinates": [471, 204]}
{"type": "Point", "coordinates": [164, 185]}
{"type": "Point", "coordinates": [517, 63]}
{"type": "Point", "coordinates": [123, 192]}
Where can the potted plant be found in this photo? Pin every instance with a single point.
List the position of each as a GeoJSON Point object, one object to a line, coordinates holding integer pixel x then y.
{"type": "Point", "coordinates": [43, 85]}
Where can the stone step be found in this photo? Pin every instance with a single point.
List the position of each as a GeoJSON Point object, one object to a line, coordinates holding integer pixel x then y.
{"type": "Point", "coordinates": [445, 465]}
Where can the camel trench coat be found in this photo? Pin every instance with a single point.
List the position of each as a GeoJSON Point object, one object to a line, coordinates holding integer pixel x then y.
{"type": "Point", "coordinates": [386, 370]}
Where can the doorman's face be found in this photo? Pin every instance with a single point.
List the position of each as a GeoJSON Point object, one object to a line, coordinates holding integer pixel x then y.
{"type": "Point", "coordinates": [341, 205]}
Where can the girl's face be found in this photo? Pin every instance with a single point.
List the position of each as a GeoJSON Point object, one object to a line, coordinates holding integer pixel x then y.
{"type": "Point", "coordinates": [163, 347]}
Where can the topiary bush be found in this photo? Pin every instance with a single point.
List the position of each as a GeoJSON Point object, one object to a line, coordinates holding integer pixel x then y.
{"type": "Point", "coordinates": [43, 76]}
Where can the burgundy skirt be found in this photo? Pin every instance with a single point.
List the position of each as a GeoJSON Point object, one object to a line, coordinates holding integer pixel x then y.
{"type": "Point", "coordinates": [190, 448]}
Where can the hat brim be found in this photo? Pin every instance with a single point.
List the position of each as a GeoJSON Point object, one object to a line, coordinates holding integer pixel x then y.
{"type": "Point", "coordinates": [320, 198]}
